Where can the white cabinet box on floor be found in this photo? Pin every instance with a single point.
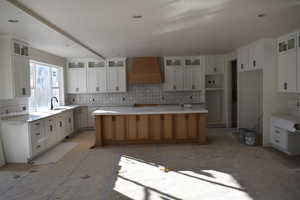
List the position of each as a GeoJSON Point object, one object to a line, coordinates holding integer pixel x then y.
{"type": "Point", "coordinates": [284, 135]}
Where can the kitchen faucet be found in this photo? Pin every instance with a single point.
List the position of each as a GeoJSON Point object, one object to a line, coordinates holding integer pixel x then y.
{"type": "Point", "coordinates": [52, 102]}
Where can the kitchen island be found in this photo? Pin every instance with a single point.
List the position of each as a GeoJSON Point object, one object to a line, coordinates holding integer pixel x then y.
{"type": "Point", "coordinates": [150, 124]}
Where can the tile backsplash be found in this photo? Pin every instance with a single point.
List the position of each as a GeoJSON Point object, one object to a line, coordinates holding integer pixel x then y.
{"type": "Point", "coordinates": [18, 105]}
{"type": "Point", "coordinates": [137, 94]}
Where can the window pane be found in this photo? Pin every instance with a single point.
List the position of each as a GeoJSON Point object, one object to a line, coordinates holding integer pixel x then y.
{"type": "Point", "coordinates": [54, 73]}
{"type": "Point", "coordinates": [43, 88]}
{"type": "Point", "coordinates": [31, 75]}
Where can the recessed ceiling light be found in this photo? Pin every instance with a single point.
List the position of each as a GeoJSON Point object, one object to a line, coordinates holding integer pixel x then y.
{"type": "Point", "coordinates": [261, 15]}
{"type": "Point", "coordinates": [13, 20]}
{"type": "Point", "coordinates": [137, 16]}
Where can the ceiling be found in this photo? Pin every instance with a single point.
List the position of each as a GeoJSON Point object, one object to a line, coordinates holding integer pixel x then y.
{"type": "Point", "coordinates": [167, 27]}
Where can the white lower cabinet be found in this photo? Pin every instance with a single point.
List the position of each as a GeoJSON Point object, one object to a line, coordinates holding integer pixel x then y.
{"type": "Point", "coordinates": [23, 141]}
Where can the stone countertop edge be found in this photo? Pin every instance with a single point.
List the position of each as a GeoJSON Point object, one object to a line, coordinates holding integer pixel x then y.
{"type": "Point", "coordinates": [150, 110]}
{"type": "Point", "coordinates": [27, 118]}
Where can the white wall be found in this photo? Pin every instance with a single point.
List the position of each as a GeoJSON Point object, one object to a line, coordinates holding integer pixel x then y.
{"type": "Point", "coordinates": [2, 162]}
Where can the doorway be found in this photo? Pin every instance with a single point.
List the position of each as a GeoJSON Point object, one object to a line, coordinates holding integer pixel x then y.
{"type": "Point", "coordinates": [234, 95]}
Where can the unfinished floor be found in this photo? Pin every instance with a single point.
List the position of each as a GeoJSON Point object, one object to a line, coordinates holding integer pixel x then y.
{"type": "Point", "coordinates": [222, 169]}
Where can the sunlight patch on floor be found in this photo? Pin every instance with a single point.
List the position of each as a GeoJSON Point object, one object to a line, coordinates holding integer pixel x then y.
{"type": "Point", "coordinates": [138, 179]}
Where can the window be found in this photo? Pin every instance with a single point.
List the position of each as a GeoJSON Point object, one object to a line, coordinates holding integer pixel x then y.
{"type": "Point", "coordinates": [45, 82]}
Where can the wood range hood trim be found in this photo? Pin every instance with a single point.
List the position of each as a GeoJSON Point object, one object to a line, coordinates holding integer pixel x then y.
{"type": "Point", "coordinates": [144, 70]}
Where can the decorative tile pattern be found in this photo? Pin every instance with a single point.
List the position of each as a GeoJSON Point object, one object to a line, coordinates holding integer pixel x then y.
{"type": "Point", "coordinates": [18, 105]}
{"type": "Point", "coordinates": [137, 94]}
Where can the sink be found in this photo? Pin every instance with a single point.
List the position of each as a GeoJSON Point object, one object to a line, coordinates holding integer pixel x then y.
{"type": "Point", "coordinates": [59, 108]}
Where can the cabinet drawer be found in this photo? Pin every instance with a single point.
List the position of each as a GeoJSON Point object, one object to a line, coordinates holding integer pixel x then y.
{"type": "Point", "coordinates": [37, 148]}
{"type": "Point", "coordinates": [35, 126]}
{"type": "Point", "coordinates": [279, 137]}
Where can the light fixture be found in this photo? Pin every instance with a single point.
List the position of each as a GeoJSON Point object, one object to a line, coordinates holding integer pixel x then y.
{"type": "Point", "coordinates": [13, 21]}
{"type": "Point", "coordinates": [137, 16]}
{"type": "Point", "coordinates": [262, 15]}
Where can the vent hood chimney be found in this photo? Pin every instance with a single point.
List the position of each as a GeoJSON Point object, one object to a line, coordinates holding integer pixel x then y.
{"type": "Point", "coordinates": [144, 70]}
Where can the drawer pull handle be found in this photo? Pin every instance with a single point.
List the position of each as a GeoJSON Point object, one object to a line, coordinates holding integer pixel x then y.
{"type": "Point", "coordinates": [277, 132]}
{"type": "Point", "coordinates": [37, 124]}
{"type": "Point", "coordinates": [277, 141]}
{"type": "Point", "coordinates": [38, 134]}
{"type": "Point", "coordinates": [38, 146]}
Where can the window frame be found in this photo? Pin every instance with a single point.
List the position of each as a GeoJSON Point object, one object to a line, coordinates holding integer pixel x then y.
{"type": "Point", "coordinates": [60, 78]}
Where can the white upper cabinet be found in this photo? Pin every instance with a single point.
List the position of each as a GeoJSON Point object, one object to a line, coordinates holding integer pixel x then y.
{"type": "Point", "coordinates": [243, 58]}
{"type": "Point", "coordinates": [287, 63]}
{"type": "Point", "coordinates": [174, 74]}
{"type": "Point", "coordinates": [193, 73]}
{"type": "Point", "coordinates": [184, 73]}
{"type": "Point", "coordinates": [14, 68]}
{"type": "Point", "coordinates": [77, 76]}
{"type": "Point", "coordinates": [96, 73]}
{"type": "Point", "coordinates": [116, 75]}
{"type": "Point", "coordinates": [214, 64]}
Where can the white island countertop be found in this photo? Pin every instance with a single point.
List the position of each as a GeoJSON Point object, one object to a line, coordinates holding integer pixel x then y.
{"type": "Point", "coordinates": [150, 110]}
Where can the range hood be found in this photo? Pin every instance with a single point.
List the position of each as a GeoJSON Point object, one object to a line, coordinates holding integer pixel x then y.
{"type": "Point", "coordinates": [144, 70]}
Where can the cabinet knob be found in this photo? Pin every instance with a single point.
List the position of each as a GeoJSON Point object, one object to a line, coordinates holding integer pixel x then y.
{"type": "Point", "coordinates": [254, 63]}
{"type": "Point", "coordinates": [117, 88]}
{"type": "Point", "coordinates": [38, 134]}
{"type": "Point", "coordinates": [51, 128]}
{"type": "Point", "coordinates": [174, 87]}
{"type": "Point", "coordinates": [60, 124]}
{"type": "Point", "coordinates": [242, 66]}
{"type": "Point", "coordinates": [23, 91]}
{"type": "Point", "coordinates": [215, 69]}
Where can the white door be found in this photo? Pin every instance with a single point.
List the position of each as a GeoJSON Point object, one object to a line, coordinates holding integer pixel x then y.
{"type": "Point", "coordinates": [60, 133]}
{"type": "Point", "coordinates": [81, 79]}
{"type": "Point", "coordinates": [287, 63]}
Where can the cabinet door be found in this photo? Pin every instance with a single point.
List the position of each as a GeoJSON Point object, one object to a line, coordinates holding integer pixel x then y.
{"type": "Point", "coordinates": [50, 131]}
{"type": "Point", "coordinates": [60, 133]}
{"type": "Point", "coordinates": [169, 78]}
{"type": "Point", "coordinates": [21, 76]}
{"type": "Point", "coordinates": [81, 79]}
{"type": "Point", "coordinates": [243, 58]}
{"type": "Point", "coordinates": [122, 79]}
{"type": "Point", "coordinates": [192, 74]}
{"type": "Point", "coordinates": [287, 63]}
{"type": "Point", "coordinates": [256, 55]}
{"type": "Point", "coordinates": [210, 65]}
{"type": "Point", "coordinates": [179, 78]}
{"type": "Point", "coordinates": [112, 82]}
{"type": "Point", "coordinates": [96, 80]}
{"type": "Point", "coordinates": [220, 64]}
{"type": "Point", "coordinates": [72, 81]}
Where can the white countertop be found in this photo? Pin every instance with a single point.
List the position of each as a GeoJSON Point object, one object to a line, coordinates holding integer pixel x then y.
{"type": "Point", "coordinates": [34, 116]}
{"type": "Point", "coordinates": [151, 110]}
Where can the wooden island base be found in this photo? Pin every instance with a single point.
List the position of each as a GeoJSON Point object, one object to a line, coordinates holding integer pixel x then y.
{"type": "Point", "coordinates": [151, 128]}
